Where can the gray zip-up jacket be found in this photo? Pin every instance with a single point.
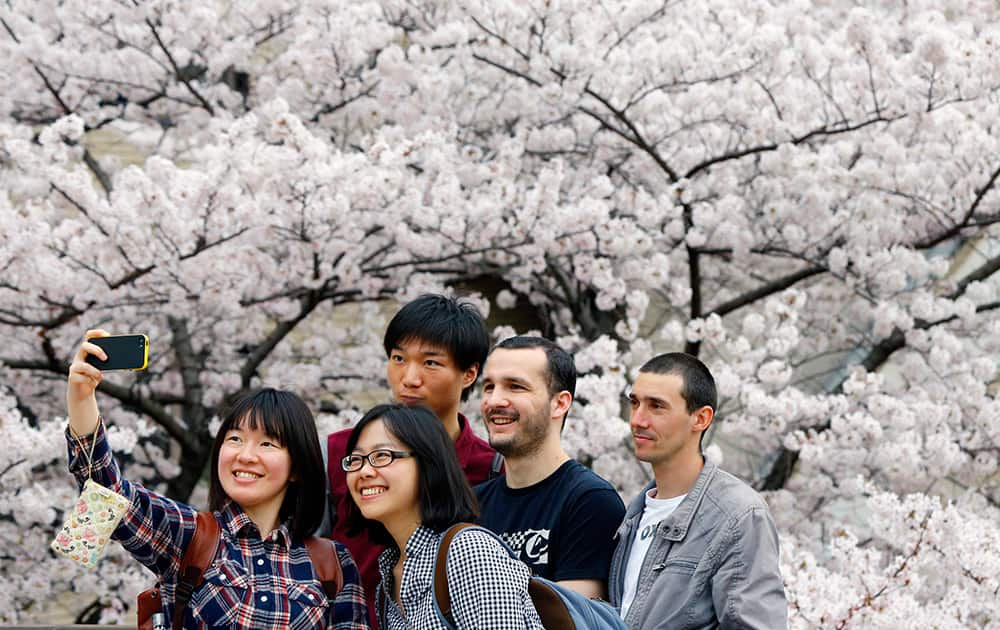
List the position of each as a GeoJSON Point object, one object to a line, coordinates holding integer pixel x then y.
{"type": "Point", "coordinates": [713, 562]}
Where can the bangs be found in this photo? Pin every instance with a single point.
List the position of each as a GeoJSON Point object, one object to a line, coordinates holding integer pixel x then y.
{"type": "Point", "coordinates": [262, 412]}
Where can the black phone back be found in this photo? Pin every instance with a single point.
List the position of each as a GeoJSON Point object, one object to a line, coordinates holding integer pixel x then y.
{"type": "Point", "coordinates": [125, 352]}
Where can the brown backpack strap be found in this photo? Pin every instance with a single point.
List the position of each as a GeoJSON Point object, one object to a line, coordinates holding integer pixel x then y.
{"type": "Point", "coordinates": [197, 557]}
{"type": "Point", "coordinates": [326, 564]}
{"type": "Point", "coordinates": [441, 593]}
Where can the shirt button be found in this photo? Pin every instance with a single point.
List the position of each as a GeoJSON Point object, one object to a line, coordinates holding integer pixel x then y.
{"type": "Point", "coordinates": [222, 578]}
{"type": "Point", "coordinates": [263, 598]}
{"type": "Point", "coordinates": [311, 596]}
{"type": "Point", "coordinates": [260, 561]}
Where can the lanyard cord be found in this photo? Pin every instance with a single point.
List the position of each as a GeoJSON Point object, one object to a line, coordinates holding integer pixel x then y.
{"type": "Point", "coordinates": [93, 442]}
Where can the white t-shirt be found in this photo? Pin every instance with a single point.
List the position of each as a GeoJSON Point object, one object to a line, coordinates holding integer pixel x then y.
{"type": "Point", "coordinates": [655, 511]}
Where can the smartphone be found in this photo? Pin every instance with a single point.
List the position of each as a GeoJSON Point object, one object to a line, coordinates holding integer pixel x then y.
{"type": "Point", "coordinates": [125, 352]}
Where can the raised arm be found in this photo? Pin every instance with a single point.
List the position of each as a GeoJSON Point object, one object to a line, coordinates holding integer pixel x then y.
{"type": "Point", "coordinates": [155, 529]}
{"type": "Point", "coordinates": [81, 403]}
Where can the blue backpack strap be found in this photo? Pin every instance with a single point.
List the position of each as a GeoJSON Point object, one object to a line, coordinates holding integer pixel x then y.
{"type": "Point", "coordinates": [496, 465]}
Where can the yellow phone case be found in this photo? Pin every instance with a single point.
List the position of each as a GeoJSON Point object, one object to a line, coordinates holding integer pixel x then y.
{"type": "Point", "coordinates": [145, 356]}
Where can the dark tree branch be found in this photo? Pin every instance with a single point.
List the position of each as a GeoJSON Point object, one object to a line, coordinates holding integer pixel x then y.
{"type": "Point", "coordinates": [694, 277]}
{"type": "Point", "coordinates": [178, 73]}
{"type": "Point", "coordinates": [636, 136]}
{"type": "Point", "coordinates": [507, 69]}
{"type": "Point", "coordinates": [329, 109]}
{"type": "Point", "coordinates": [190, 364]}
{"type": "Point", "coordinates": [88, 159]}
{"type": "Point", "coordinates": [824, 131]}
{"type": "Point", "coordinates": [98, 172]}
{"type": "Point", "coordinates": [769, 288]}
{"type": "Point", "coordinates": [145, 405]}
{"type": "Point", "coordinates": [15, 319]}
{"type": "Point", "coordinates": [969, 214]}
{"type": "Point", "coordinates": [253, 362]}
{"type": "Point", "coordinates": [978, 274]}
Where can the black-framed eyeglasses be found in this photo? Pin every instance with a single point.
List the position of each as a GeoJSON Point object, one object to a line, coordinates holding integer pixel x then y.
{"type": "Point", "coordinates": [379, 458]}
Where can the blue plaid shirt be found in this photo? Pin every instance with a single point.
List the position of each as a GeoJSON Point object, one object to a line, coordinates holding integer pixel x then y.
{"type": "Point", "coordinates": [252, 583]}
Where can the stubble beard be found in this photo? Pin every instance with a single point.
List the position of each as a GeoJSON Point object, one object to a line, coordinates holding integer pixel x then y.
{"type": "Point", "coordinates": [525, 443]}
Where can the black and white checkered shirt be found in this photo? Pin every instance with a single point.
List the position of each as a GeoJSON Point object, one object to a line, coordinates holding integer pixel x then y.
{"type": "Point", "coordinates": [489, 589]}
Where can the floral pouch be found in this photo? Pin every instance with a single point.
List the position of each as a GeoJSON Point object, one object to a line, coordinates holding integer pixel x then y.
{"type": "Point", "coordinates": [89, 525]}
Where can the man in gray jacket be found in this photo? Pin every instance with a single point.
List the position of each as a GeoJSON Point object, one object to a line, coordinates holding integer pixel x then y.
{"type": "Point", "coordinates": [698, 547]}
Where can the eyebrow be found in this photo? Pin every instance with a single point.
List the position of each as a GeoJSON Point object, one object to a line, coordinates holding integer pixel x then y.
{"type": "Point", "coordinates": [375, 447]}
{"type": "Point", "coordinates": [426, 353]}
{"type": "Point", "coordinates": [507, 379]}
{"type": "Point", "coordinates": [648, 398]}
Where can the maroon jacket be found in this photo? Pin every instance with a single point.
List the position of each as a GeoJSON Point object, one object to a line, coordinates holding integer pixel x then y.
{"type": "Point", "coordinates": [475, 456]}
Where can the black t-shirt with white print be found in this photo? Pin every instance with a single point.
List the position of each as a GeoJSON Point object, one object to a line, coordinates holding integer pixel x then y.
{"type": "Point", "coordinates": [562, 527]}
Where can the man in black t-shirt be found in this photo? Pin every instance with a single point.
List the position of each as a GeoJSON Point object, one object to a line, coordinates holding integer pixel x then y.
{"type": "Point", "coordinates": [556, 513]}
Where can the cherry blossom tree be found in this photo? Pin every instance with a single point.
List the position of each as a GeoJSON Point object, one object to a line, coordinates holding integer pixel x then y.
{"type": "Point", "coordinates": [801, 193]}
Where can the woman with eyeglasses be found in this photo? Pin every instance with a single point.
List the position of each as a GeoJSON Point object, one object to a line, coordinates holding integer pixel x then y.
{"type": "Point", "coordinates": [408, 488]}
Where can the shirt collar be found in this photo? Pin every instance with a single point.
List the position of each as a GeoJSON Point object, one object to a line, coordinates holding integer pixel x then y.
{"type": "Point", "coordinates": [239, 524]}
{"type": "Point", "coordinates": [422, 539]}
{"type": "Point", "coordinates": [465, 434]}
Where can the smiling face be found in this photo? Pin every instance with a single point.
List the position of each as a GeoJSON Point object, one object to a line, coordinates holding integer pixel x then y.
{"type": "Point", "coordinates": [390, 494]}
{"type": "Point", "coordinates": [421, 373]}
{"type": "Point", "coordinates": [517, 407]}
{"type": "Point", "coordinates": [663, 430]}
{"type": "Point", "coordinates": [254, 469]}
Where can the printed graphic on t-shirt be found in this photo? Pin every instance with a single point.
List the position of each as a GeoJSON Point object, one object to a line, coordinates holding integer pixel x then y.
{"type": "Point", "coordinates": [531, 545]}
{"type": "Point", "coordinates": [647, 531]}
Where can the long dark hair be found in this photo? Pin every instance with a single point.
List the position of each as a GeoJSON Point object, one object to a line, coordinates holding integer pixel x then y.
{"type": "Point", "coordinates": [285, 417]}
{"type": "Point", "coordinates": [444, 493]}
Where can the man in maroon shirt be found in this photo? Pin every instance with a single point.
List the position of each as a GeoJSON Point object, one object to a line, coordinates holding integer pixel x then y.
{"type": "Point", "coordinates": [436, 347]}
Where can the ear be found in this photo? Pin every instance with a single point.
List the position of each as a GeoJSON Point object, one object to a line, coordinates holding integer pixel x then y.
{"type": "Point", "coordinates": [702, 419]}
{"type": "Point", "coordinates": [469, 375]}
{"type": "Point", "coordinates": [560, 404]}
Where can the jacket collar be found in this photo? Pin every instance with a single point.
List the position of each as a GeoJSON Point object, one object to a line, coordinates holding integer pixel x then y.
{"type": "Point", "coordinates": [675, 527]}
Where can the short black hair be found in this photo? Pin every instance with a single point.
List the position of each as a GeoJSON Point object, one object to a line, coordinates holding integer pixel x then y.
{"type": "Point", "coordinates": [698, 389]}
{"type": "Point", "coordinates": [560, 368]}
{"type": "Point", "coordinates": [444, 321]}
{"type": "Point", "coordinates": [285, 417]}
{"type": "Point", "coordinates": [444, 493]}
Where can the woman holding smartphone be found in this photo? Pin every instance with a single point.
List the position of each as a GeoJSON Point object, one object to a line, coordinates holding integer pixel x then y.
{"type": "Point", "coordinates": [408, 488]}
{"type": "Point", "coordinates": [267, 493]}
